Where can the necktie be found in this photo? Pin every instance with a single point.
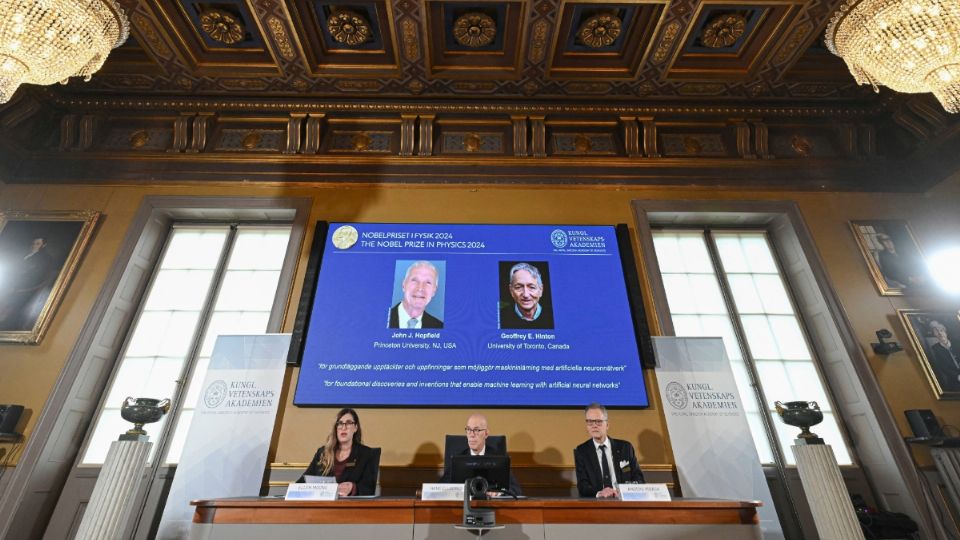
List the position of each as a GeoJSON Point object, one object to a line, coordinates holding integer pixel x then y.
{"type": "Point", "coordinates": [412, 323]}
{"type": "Point", "coordinates": [604, 467]}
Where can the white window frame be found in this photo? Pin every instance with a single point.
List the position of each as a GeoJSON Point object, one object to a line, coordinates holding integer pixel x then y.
{"type": "Point", "coordinates": [762, 402]}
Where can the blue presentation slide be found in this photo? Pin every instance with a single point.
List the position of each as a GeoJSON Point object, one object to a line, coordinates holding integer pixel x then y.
{"type": "Point", "coordinates": [470, 315]}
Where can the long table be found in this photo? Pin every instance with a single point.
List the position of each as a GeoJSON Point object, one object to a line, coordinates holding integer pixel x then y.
{"type": "Point", "coordinates": [541, 519]}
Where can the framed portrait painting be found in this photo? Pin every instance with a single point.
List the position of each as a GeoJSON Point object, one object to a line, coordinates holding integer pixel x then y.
{"type": "Point", "coordinates": [39, 252]}
{"type": "Point", "coordinates": [892, 255]}
{"type": "Point", "coordinates": [935, 335]}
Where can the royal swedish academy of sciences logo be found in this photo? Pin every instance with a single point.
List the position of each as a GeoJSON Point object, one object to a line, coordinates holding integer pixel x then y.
{"type": "Point", "coordinates": [215, 394]}
{"type": "Point", "coordinates": [677, 395]}
{"type": "Point", "coordinates": [558, 238]}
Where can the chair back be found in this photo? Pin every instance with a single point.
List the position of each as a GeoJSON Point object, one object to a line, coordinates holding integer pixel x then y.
{"type": "Point", "coordinates": [457, 444]}
{"type": "Point", "coordinates": [376, 463]}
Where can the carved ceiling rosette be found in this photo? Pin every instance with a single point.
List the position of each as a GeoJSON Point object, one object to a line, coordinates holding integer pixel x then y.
{"type": "Point", "coordinates": [222, 26]}
{"type": "Point", "coordinates": [723, 30]}
{"type": "Point", "coordinates": [349, 28]}
{"type": "Point", "coordinates": [474, 29]}
{"type": "Point", "coordinates": [600, 30]}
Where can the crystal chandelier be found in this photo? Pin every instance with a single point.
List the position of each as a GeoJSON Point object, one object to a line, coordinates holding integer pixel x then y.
{"type": "Point", "coordinates": [911, 46]}
{"type": "Point", "coordinates": [46, 41]}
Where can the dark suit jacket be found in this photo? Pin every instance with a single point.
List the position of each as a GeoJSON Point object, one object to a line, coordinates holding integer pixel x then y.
{"type": "Point", "coordinates": [362, 468]}
{"type": "Point", "coordinates": [426, 321]}
{"type": "Point", "coordinates": [509, 319]}
{"type": "Point", "coordinates": [490, 451]}
{"type": "Point", "coordinates": [589, 476]}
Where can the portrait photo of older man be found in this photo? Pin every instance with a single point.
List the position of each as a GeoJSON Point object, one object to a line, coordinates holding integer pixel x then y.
{"type": "Point", "coordinates": [420, 283]}
{"type": "Point", "coordinates": [524, 302]}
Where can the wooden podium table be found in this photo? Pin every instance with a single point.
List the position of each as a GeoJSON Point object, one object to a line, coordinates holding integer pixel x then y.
{"type": "Point", "coordinates": [408, 518]}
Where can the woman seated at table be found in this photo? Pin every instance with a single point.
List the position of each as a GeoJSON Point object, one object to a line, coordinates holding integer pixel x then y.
{"type": "Point", "coordinates": [344, 457]}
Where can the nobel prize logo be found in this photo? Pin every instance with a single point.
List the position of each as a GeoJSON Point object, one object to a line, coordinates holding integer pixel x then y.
{"type": "Point", "coordinates": [215, 394]}
{"type": "Point", "coordinates": [345, 236]}
{"type": "Point", "coordinates": [677, 395]}
{"type": "Point", "coordinates": [558, 238]}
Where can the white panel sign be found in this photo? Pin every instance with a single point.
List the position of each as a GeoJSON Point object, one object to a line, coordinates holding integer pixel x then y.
{"type": "Point", "coordinates": [644, 492]}
{"type": "Point", "coordinates": [711, 440]}
{"type": "Point", "coordinates": [326, 491]}
{"type": "Point", "coordinates": [225, 452]}
{"type": "Point", "coordinates": [441, 492]}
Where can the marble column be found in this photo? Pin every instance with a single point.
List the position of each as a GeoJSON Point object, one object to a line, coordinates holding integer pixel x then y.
{"type": "Point", "coordinates": [826, 493]}
{"type": "Point", "coordinates": [115, 492]}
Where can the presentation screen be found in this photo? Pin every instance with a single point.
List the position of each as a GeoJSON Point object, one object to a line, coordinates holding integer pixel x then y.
{"type": "Point", "coordinates": [470, 315]}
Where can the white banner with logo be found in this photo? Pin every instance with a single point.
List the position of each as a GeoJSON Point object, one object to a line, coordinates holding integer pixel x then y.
{"type": "Point", "coordinates": [712, 445]}
{"type": "Point", "coordinates": [226, 447]}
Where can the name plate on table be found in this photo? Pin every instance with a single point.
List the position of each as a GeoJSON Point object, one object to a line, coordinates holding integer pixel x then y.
{"type": "Point", "coordinates": [441, 492]}
{"type": "Point", "coordinates": [326, 491]}
{"type": "Point", "coordinates": [644, 492]}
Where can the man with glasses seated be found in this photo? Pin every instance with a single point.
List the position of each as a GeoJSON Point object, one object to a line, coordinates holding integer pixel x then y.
{"type": "Point", "coordinates": [604, 463]}
{"type": "Point", "coordinates": [477, 445]}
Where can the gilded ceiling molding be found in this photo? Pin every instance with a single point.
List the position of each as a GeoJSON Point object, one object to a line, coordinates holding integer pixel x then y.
{"type": "Point", "coordinates": [670, 34]}
{"type": "Point", "coordinates": [149, 33]}
{"type": "Point", "coordinates": [284, 106]}
{"type": "Point", "coordinates": [724, 30]}
{"type": "Point", "coordinates": [349, 28]}
{"type": "Point", "coordinates": [601, 30]}
{"type": "Point", "coordinates": [279, 32]}
{"type": "Point", "coordinates": [410, 39]}
{"type": "Point", "coordinates": [222, 26]}
{"type": "Point", "coordinates": [801, 145]}
{"type": "Point", "coordinates": [474, 29]}
{"type": "Point", "coordinates": [793, 43]}
{"type": "Point", "coordinates": [139, 138]}
{"type": "Point", "coordinates": [538, 41]}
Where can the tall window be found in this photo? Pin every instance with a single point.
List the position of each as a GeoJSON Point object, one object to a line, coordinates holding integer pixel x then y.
{"type": "Point", "coordinates": [728, 284]}
{"type": "Point", "coordinates": [211, 280]}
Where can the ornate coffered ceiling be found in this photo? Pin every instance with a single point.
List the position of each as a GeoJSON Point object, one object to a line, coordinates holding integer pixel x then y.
{"type": "Point", "coordinates": [516, 49]}
{"type": "Point", "coordinates": [683, 92]}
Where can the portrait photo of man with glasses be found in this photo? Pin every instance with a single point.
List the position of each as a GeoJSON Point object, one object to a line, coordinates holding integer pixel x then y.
{"type": "Point", "coordinates": [524, 301]}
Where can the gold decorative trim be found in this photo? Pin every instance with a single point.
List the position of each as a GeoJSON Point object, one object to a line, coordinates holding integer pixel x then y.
{"type": "Point", "coordinates": [349, 28]}
{"type": "Point", "coordinates": [538, 41]}
{"type": "Point", "coordinates": [284, 106]}
{"type": "Point", "coordinates": [222, 26]}
{"type": "Point", "coordinates": [723, 30]}
{"type": "Point", "coordinates": [474, 29]}
{"type": "Point", "coordinates": [139, 138]}
{"type": "Point", "coordinates": [279, 32]}
{"type": "Point", "coordinates": [601, 30]}
{"type": "Point", "coordinates": [410, 39]}
{"type": "Point", "coordinates": [801, 145]}
{"type": "Point", "coordinates": [150, 35]}
{"type": "Point", "coordinates": [670, 34]}
{"type": "Point", "coordinates": [251, 140]}
{"type": "Point", "coordinates": [793, 43]}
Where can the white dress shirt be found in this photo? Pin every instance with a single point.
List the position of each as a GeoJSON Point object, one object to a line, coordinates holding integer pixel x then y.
{"type": "Point", "coordinates": [609, 451]}
{"type": "Point", "coordinates": [403, 317]}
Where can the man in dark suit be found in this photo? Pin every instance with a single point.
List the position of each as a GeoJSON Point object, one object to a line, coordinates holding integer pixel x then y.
{"type": "Point", "coordinates": [477, 433]}
{"type": "Point", "coordinates": [603, 463]}
{"type": "Point", "coordinates": [418, 286]}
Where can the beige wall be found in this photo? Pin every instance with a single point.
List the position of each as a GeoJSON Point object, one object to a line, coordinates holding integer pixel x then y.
{"type": "Point", "coordinates": [542, 437]}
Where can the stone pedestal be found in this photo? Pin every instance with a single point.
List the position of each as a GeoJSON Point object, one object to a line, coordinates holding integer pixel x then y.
{"type": "Point", "coordinates": [826, 493]}
{"type": "Point", "coordinates": [115, 492]}
{"type": "Point", "coordinates": [947, 461]}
